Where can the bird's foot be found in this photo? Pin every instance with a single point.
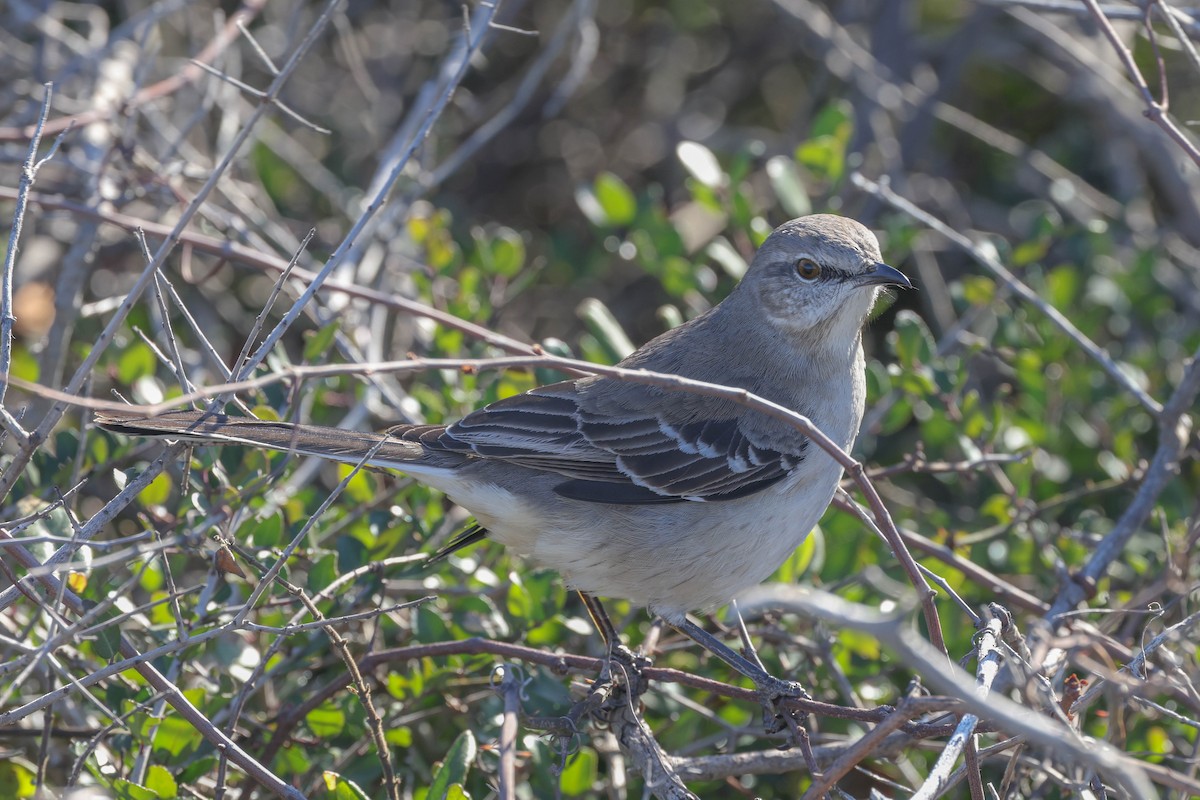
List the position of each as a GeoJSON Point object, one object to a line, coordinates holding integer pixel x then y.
{"type": "Point", "coordinates": [773, 693]}
{"type": "Point", "coordinates": [624, 666]}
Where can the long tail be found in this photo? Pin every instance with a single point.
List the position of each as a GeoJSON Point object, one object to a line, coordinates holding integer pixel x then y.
{"type": "Point", "coordinates": [310, 440]}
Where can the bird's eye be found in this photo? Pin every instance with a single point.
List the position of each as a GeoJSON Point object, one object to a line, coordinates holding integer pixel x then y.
{"type": "Point", "coordinates": [808, 269]}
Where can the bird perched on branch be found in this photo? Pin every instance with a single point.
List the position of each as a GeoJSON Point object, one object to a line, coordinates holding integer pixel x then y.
{"type": "Point", "coordinates": [667, 498]}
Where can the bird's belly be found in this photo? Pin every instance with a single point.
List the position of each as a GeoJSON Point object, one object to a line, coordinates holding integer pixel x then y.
{"type": "Point", "coordinates": [672, 558]}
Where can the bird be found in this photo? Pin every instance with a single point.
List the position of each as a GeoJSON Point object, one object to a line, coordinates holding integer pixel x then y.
{"type": "Point", "coordinates": [672, 500]}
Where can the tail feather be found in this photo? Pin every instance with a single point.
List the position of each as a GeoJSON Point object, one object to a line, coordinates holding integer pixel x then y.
{"type": "Point", "coordinates": [311, 440]}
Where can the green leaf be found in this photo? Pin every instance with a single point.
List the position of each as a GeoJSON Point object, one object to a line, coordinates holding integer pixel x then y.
{"type": "Point", "coordinates": [277, 175]}
{"type": "Point", "coordinates": [579, 778]}
{"type": "Point", "coordinates": [157, 492]}
{"type": "Point", "coordinates": [326, 720]}
{"type": "Point", "coordinates": [836, 120]}
{"type": "Point", "coordinates": [401, 737]}
{"type": "Point", "coordinates": [263, 533]}
{"type": "Point", "coordinates": [603, 324]}
{"type": "Point", "coordinates": [127, 790]}
{"type": "Point", "coordinates": [824, 155]}
{"type": "Point", "coordinates": [361, 487]}
{"type": "Point", "coordinates": [174, 734]}
{"type": "Point", "coordinates": [322, 573]}
{"type": "Point", "coordinates": [978, 290]}
{"type": "Point", "coordinates": [343, 788]}
{"type": "Point", "coordinates": [136, 361]}
{"type": "Point", "coordinates": [454, 767]}
{"type": "Point", "coordinates": [806, 557]}
{"type": "Point", "coordinates": [721, 251]}
{"type": "Point", "coordinates": [160, 781]}
{"type": "Point", "coordinates": [108, 637]}
{"type": "Point", "coordinates": [518, 600]}
{"type": "Point", "coordinates": [507, 252]}
{"type": "Point", "coordinates": [24, 365]}
{"type": "Point", "coordinates": [193, 771]}
{"type": "Point", "coordinates": [351, 553]}
{"type": "Point", "coordinates": [317, 348]}
{"type": "Point", "coordinates": [912, 339]}
{"type": "Point", "coordinates": [860, 644]}
{"type": "Point", "coordinates": [610, 202]}
{"type": "Point", "coordinates": [17, 777]}
{"type": "Point", "coordinates": [897, 417]}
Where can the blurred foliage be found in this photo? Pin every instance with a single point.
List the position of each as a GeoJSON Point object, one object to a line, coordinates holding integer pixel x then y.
{"type": "Point", "coordinates": [694, 129]}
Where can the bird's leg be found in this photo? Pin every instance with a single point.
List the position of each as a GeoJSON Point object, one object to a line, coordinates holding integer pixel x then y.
{"type": "Point", "coordinates": [770, 689]}
{"type": "Point", "coordinates": [747, 644]}
{"type": "Point", "coordinates": [630, 663]}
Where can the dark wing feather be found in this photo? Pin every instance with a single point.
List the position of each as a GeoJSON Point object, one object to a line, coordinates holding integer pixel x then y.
{"type": "Point", "coordinates": [635, 459]}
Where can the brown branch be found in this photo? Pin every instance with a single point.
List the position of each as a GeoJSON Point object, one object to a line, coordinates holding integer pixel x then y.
{"type": "Point", "coordinates": [1156, 111]}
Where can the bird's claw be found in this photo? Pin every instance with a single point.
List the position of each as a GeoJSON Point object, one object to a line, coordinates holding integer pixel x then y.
{"type": "Point", "coordinates": [776, 717]}
{"type": "Point", "coordinates": [628, 664]}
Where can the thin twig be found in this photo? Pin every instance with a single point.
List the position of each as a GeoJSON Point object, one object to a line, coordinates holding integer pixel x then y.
{"type": "Point", "coordinates": [988, 667]}
{"type": "Point", "coordinates": [29, 172]}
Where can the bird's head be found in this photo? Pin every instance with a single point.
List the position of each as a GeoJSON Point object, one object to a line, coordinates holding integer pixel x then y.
{"type": "Point", "coordinates": [819, 276]}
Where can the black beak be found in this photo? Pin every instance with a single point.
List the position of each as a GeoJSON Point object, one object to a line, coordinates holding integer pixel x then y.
{"type": "Point", "coordinates": [883, 275]}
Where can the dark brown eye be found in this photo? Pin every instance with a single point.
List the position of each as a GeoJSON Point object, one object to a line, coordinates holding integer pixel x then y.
{"type": "Point", "coordinates": [808, 269]}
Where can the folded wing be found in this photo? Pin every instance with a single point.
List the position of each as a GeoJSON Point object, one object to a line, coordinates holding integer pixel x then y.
{"type": "Point", "coordinates": [636, 457]}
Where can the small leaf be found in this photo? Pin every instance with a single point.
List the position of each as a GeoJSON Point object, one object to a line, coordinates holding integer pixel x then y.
{"type": "Point", "coordinates": [127, 790]}
{"type": "Point", "coordinates": [343, 788]}
{"type": "Point", "coordinates": [17, 778]}
{"type": "Point", "coordinates": [160, 781]}
{"type": "Point", "coordinates": [157, 492]}
{"type": "Point", "coordinates": [824, 155]}
{"type": "Point", "coordinates": [77, 581]}
{"type": "Point", "coordinates": [978, 290]}
{"type": "Point", "coordinates": [508, 252]}
{"type": "Point", "coordinates": [24, 365]}
{"type": "Point", "coordinates": [325, 720]}
{"type": "Point", "coordinates": [322, 573]}
{"type": "Point", "coordinates": [193, 771]}
{"type": "Point", "coordinates": [579, 778]}
{"type": "Point", "coordinates": [263, 533]}
{"type": "Point", "coordinates": [137, 361]}
{"type": "Point", "coordinates": [174, 734]}
{"type": "Point", "coordinates": [615, 204]}
{"type": "Point", "coordinates": [361, 487]}
{"type": "Point", "coordinates": [836, 120]}
{"type": "Point", "coordinates": [454, 767]}
{"type": "Point", "coordinates": [913, 341]}
{"type": "Point", "coordinates": [316, 349]}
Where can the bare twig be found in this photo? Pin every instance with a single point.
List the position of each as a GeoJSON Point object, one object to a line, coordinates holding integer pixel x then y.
{"type": "Point", "coordinates": [1156, 110]}
{"type": "Point", "coordinates": [29, 172]}
{"type": "Point", "coordinates": [988, 666]}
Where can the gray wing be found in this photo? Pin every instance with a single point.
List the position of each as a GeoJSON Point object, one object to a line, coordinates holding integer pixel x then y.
{"type": "Point", "coordinates": [635, 458]}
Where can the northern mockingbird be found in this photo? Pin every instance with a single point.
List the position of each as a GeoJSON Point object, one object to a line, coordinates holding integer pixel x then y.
{"type": "Point", "coordinates": [671, 500]}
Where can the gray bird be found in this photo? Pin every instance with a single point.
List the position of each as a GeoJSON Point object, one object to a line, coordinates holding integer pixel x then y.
{"type": "Point", "coordinates": [670, 500]}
